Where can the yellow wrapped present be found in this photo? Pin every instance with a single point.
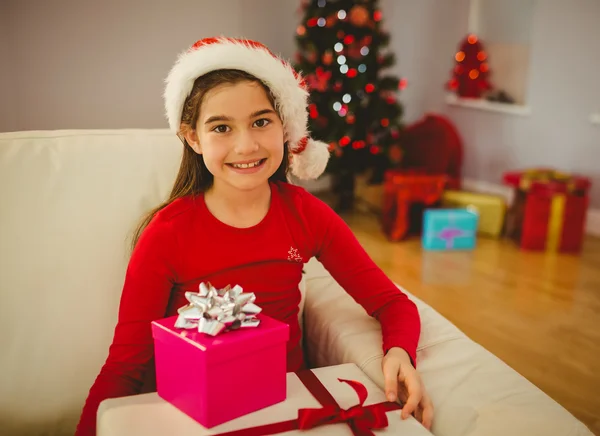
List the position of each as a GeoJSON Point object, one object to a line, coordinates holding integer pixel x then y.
{"type": "Point", "coordinates": [491, 209]}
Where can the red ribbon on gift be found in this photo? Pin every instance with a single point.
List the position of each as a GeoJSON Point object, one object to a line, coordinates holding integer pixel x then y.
{"type": "Point", "coordinates": [360, 418]}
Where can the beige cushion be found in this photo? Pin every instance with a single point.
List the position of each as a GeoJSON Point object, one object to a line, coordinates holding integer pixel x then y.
{"type": "Point", "coordinates": [474, 393]}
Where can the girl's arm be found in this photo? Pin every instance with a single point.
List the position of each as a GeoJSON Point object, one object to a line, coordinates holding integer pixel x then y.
{"type": "Point", "coordinates": [145, 296]}
{"type": "Point", "coordinates": [342, 255]}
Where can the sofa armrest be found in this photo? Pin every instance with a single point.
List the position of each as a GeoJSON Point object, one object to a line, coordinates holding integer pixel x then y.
{"type": "Point", "coordinates": [473, 392]}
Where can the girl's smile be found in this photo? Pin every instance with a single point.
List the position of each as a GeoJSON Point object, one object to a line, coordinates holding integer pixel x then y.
{"type": "Point", "coordinates": [247, 167]}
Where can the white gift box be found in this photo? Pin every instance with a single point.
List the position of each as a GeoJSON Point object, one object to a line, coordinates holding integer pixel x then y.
{"type": "Point", "coordinates": [149, 415]}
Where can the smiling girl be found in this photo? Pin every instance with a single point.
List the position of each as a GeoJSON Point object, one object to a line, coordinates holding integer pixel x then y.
{"type": "Point", "coordinates": [233, 218]}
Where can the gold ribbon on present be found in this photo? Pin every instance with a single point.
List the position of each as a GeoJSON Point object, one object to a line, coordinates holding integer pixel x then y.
{"type": "Point", "coordinates": [555, 223]}
{"type": "Point", "coordinates": [545, 176]}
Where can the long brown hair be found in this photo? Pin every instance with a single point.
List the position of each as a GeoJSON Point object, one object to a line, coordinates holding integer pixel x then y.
{"type": "Point", "coordinates": [194, 177]}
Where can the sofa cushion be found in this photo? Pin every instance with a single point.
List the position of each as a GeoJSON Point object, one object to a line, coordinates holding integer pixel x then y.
{"type": "Point", "coordinates": [70, 200]}
{"type": "Point", "coordinates": [474, 392]}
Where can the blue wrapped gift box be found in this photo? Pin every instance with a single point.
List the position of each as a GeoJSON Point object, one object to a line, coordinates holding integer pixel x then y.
{"type": "Point", "coordinates": [449, 229]}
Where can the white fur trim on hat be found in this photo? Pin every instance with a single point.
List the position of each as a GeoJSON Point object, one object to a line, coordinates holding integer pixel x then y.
{"type": "Point", "coordinates": [310, 163]}
{"type": "Point", "coordinates": [287, 87]}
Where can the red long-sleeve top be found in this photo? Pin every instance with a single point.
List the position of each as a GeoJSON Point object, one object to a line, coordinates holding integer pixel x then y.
{"type": "Point", "coordinates": [185, 245]}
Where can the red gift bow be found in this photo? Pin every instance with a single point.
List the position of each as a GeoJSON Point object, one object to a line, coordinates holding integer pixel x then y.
{"type": "Point", "coordinates": [361, 419]}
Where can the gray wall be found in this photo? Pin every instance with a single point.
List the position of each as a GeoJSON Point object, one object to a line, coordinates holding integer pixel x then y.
{"type": "Point", "coordinates": [101, 64]}
{"type": "Point", "coordinates": [91, 64]}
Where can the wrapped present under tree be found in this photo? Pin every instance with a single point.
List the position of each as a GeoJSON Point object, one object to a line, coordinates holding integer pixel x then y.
{"type": "Point", "coordinates": [549, 209]}
{"type": "Point", "coordinates": [491, 209]}
{"type": "Point", "coordinates": [402, 191]}
{"type": "Point", "coordinates": [449, 229]}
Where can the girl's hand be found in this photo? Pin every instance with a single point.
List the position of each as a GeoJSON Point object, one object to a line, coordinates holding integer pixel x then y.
{"type": "Point", "coordinates": [402, 381]}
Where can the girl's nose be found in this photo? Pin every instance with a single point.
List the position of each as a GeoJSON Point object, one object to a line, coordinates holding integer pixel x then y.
{"type": "Point", "coordinates": [246, 144]}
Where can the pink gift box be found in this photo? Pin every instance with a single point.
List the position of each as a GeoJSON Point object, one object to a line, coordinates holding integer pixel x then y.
{"type": "Point", "coordinates": [215, 379]}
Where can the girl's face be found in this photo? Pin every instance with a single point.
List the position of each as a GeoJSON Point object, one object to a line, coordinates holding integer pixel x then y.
{"type": "Point", "coordinates": [239, 135]}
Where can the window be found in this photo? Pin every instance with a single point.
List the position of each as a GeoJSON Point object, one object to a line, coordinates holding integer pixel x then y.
{"type": "Point", "coordinates": [504, 27]}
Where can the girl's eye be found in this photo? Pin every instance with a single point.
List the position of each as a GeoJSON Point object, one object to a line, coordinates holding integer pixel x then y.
{"type": "Point", "coordinates": [263, 122]}
{"type": "Point", "coordinates": [221, 129]}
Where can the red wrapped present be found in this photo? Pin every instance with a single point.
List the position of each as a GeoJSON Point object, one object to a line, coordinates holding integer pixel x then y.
{"type": "Point", "coordinates": [402, 190]}
{"type": "Point", "coordinates": [549, 209]}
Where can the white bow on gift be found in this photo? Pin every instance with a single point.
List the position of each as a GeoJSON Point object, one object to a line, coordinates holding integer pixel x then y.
{"type": "Point", "coordinates": [213, 311]}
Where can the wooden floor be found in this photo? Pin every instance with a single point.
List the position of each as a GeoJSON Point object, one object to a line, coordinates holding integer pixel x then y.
{"type": "Point", "coordinates": [538, 312]}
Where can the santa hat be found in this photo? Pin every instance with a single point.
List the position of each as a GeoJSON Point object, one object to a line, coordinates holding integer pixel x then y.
{"type": "Point", "coordinates": [309, 157]}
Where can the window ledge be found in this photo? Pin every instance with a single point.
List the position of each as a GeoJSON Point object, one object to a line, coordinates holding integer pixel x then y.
{"type": "Point", "coordinates": [595, 118]}
{"type": "Point", "coordinates": [485, 105]}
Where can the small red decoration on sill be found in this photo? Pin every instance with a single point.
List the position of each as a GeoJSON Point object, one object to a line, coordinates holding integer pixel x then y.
{"type": "Point", "coordinates": [470, 75]}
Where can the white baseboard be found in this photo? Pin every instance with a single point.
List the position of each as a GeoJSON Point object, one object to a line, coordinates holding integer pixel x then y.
{"type": "Point", "coordinates": [592, 220]}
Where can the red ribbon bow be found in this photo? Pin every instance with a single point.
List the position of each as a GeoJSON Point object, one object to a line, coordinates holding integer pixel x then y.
{"type": "Point", "coordinates": [361, 419]}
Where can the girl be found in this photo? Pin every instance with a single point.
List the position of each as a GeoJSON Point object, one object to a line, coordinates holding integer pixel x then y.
{"type": "Point", "coordinates": [232, 218]}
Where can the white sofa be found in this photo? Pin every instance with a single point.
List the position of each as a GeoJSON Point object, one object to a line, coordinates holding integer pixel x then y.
{"type": "Point", "coordinates": [69, 200]}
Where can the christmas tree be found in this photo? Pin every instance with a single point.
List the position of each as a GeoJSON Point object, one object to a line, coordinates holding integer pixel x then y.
{"type": "Point", "coordinates": [471, 70]}
{"type": "Point", "coordinates": [354, 104]}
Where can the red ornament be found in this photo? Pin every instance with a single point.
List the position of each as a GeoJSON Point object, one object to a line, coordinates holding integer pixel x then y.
{"type": "Point", "coordinates": [390, 100]}
{"type": "Point", "coordinates": [359, 16]}
{"type": "Point", "coordinates": [332, 146]}
{"type": "Point", "coordinates": [369, 88]}
{"type": "Point", "coordinates": [314, 113]}
{"type": "Point", "coordinates": [352, 73]}
{"type": "Point", "coordinates": [331, 20]}
{"type": "Point", "coordinates": [377, 15]}
{"type": "Point", "coordinates": [348, 39]}
{"type": "Point", "coordinates": [385, 122]}
{"type": "Point", "coordinates": [312, 22]}
{"type": "Point", "coordinates": [374, 149]}
{"type": "Point", "coordinates": [327, 58]}
{"type": "Point", "coordinates": [354, 51]}
{"type": "Point", "coordinates": [395, 153]}
{"type": "Point", "coordinates": [402, 84]}
{"type": "Point", "coordinates": [301, 30]}
{"type": "Point", "coordinates": [470, 74]}
{"type": "Point", "coordinates": [320, 80]}
{"type": "Point", "coordinates": [344, 141]}
{"type": "Point", "coordinates": [337, 87]}
{"type": "Point", "coordinates": [350, 119]}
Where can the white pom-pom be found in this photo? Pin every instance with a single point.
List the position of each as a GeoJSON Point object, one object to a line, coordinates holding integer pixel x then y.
{"type": "Point", "coordinates": [311, 163]}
